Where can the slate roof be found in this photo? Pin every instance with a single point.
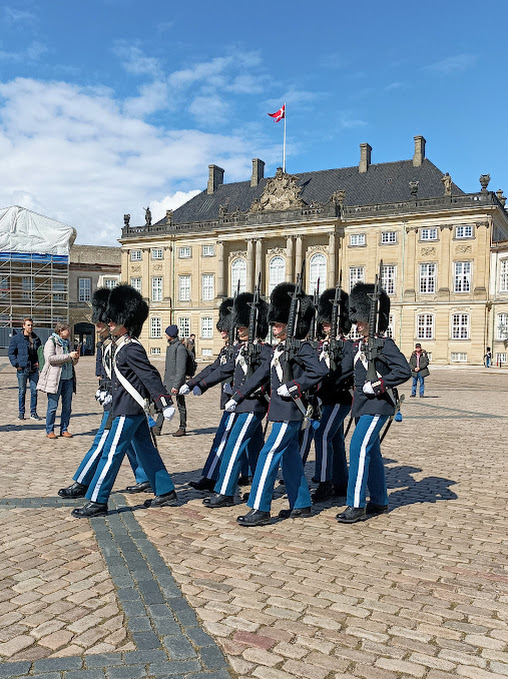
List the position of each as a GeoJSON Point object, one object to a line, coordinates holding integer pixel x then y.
{"type": "Point", "coordinates": [382, 183]}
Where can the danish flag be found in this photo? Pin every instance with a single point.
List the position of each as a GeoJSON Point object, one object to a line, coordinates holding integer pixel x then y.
{"type": "Point", "coordinates": [278, 115]}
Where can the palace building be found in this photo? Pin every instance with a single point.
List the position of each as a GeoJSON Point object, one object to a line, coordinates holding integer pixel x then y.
{"type": "Point", "coordinates": [444, 252]}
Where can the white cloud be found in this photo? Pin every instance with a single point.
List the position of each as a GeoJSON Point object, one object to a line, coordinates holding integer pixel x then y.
{"type": "Point", "coordinates": [454, 64]}
{"type": "Point", "coordinates": [13, 16]}
{"type": "Point", "coordinates": [32, 53]}
{"type": "Point", "coordinates": [171, 202]}
{"type": "Point", "coordinates": [135, 61]}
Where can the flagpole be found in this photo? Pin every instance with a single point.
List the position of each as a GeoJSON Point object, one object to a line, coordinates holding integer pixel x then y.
{"type": "Point", "coordinates": [284, 142]}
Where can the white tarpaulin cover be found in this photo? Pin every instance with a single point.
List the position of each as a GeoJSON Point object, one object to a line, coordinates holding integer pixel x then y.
{"type": "Point", "coordinates": [22, 230]}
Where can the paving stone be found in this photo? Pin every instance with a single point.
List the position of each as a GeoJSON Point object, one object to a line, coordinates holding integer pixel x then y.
{"type": "Point", "coordinates": [57, 664]}
{"type": "Point", "coordinates": [146, 640]}
{"type": "Point", "coordinates": [178, 647]}
{"type": "Point", "coordinates": [103, 660]}
{"type": "Point", "coordinates": [130, 672]}
{"type": "Point", "coordinates": [174, 667]}
{"type": "Point", "coordinates": [14, 669]}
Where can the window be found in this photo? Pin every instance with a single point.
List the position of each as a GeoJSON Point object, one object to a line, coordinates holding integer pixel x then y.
{"type": "Point", "coordinates": [388, 237]}
{"type": "Point", "coordinates": [425, 326]}
{"type": "Point", "coordinates": [84, 289]}
{"type": "Point", "coordinates": [464, 231]}
{"type": "Point", "coordinates": [389, 329]}
{"type": "Point", "coordinates": [155, 350]}
{"type": "Point", "coordinates": [276, 272]}
{"type": "Point", "coordinates": [502, 327]}
{"type": "Point", "coordinates": [207, 327]}
{"type": "Point", "coordinates": [427, 278]}
{"type": "Point", "coordinates": [317, 269]}
{"type": "Point", "coordinates": [207, 287]}
{"type": "Point", "coordinates": [462, 277]}
{"type": "Point", "coordinates": [157, 289]}
{"type": "Point", "coordinates": [184, 288]}
{"type": "Point", "coordinates": [500, 358]}
{"type": "Point", "coordinates": [460, 326]}
{"type": "Point", "coordinates": [184, 327]}
{"type": "Point", "coordinates": [27, 285]}
{"type": "Point", "coordinates": [356, 275]}
{"type": "Point", "coordinates": [110, 283]}
{"type": "Point", "coordinates": [206, 352]}
{"type": "Point", "coordinates": [208, 251]}
{"type": "Point", "coordinates": [428, 234]}
{"type": "Point", "coordinates": [238, 273]}
{"type": "Point", "coordinates": [157, 253]}
{"type": "Point", "coordinates": [136, 284]}
{"type": "Point", "coordinates": [503, 275]}
{"type": "Point", "coordinates": [356, 239]}
{"type": "Point", "coordinates": [388, 279]}
{"type": "Point", "coordinates": [135, 255]}
{"type": "Point", "coordinates": [155, 327]}
{"type": "Point", "coordinates": [184, 253]}
{"type": "Point", "coordinates": [459, 357]}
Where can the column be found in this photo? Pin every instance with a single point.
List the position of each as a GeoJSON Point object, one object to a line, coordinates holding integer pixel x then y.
{"type": "Point", "coordinates": [289, 259]}
{"type": "Point", "coordinates": [411, 265]}
{"type": "Point", "coordinates": [444, 262]}
{"type": "Point", "coordinates": [299, 256]}
{"type": "Point", "coordinates": [331, 260]}
{"type": "Point", "coordinates": [259, 261]}
{"type": "Point", "coordinates": [221, 290]}
{"type": "Point", "coordinates": [250, 263]}
{"type": "Point", "coordinates": [480, 283]}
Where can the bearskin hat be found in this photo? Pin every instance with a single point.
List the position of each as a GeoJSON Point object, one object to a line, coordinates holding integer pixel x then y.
{"type": "Point", "coordinates": [99, 305]}
{"type": "Point", "coordinates": [225, 318]}
{"type": "Point", "coordinates": [359, 305]}
{"type": "Point", "coordinates": [241, 313]}
{"type": "Point", "coordinates": [278, 311]}
{"type": "Point", "coordinates": [127, 307]}
{"type": "Point", "coordinates": [325, 308]}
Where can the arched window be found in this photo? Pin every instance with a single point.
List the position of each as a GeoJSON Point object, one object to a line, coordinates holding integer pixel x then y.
{"type": "Point", "coordinates": [238, 273]}
{"type": "Point", "coordinates": [317, 269]}
{"type": "Point", "coordinates": [276, 272]}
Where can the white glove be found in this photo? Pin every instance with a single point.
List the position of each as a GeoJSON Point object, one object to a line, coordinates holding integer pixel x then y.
{"type": "Point", "coordinates": [168, 413]}
{"type": "Point", "coordinates": [197, 391]}
{"type": "Point", "coordinates": [368, 389]}
{"type": "Point", "coordinates": [283, 390]}
{"type": "Point", "coordinates": [98, 395]}
{"type": "Point", "coordinates": [107, 399]}
{"type": "Point", "coordinates": [230, 406]}
{"type": "Point", "coordinates": [184, 389]}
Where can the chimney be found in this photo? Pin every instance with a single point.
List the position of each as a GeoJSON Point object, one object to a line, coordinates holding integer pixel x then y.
{"type": "Point", "coordinates": [258, 171]}
{"type": "Point", "coordinates": [365, 157]}
{"type": "Point", "coordinates": [215, 178]}
{"type": "Point", "coordinates": [419, 154]}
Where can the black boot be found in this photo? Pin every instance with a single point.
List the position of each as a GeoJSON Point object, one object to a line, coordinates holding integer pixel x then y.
{"type": "Point", "coordinates": [167, 500]}
{"type": "Point", "coordinates": [244, 480]}
{"type": "Point", "coordinates": [254, 518]}
{"type": "Point", "coordinates": [73, 491]}
{"type": "Point", "coordinates": [323, 491]}
{"type": "Point", "coordinates": [90, 510]}
{"type": "Point", "coordinates": [295, 513]}
{"type": "Point", "coordinates": [340, 491]}
{"type": "Point", "coordinates": [143, 487]}
{"type": "Point", "coordinates": [352, 515]}
{"type": "Point", "coordinates": [203, 484]}
{"type": "Point", "coordinates": [373, 509]}
{"type": "Point", "coordinates": [219, 500]}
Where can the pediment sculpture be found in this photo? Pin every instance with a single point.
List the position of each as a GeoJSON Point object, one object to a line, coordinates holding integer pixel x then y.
{"type": "Point", "coordinates": [281, 193]}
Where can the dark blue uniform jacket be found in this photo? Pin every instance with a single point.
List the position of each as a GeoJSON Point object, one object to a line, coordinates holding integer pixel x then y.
{"type": "Point", "coordinates": [334, 389]}
{"type": "Point", "coordinates": [225, 393]}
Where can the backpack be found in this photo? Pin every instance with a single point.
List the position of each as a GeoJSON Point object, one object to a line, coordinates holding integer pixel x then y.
{"type": "Point", "coordinates": [191, 365]}
{"type": "Point", "coordinates": [40, 355]}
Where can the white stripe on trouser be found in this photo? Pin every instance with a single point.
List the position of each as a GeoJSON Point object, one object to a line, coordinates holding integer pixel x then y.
{"type": "Point", "coordinates": [268, 462]}
{"type": "Point", "coordinates": [232, 459]}
{"type": "Point", "coordinates": [111, 454]}
{"type": "Point", "coordinates": [324, 445]}
{"type": "Point", "coordinates": [96, 454]}
{"type": "Point", "coordinates": [220, 447]}
{"type": "Point", "coordinates": [305, 442]}
{"type": "Point", "coordinates": [361, 461]}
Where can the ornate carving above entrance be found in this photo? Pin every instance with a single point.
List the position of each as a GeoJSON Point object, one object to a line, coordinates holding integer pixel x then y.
{"type": "Point", "coordinates": [428, 251]}
{"type": "Point", "coordinates": [136, 268]}
{"type": "Point", "coordinates": [463, 249]}
{"type": "Point", "coordinates": [281, 193]}
{"type": "Point", "coordinates": [237, 253]}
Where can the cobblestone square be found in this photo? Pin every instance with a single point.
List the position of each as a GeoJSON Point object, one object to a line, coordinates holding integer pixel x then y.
{"type": "Point", "coordinates": [185, 592]}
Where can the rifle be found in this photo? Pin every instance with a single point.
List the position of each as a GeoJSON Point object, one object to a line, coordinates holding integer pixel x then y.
{"type": "Point", "coordinates": [232, 329]}
{"type": "Point", "coordinates": [374, 343]}
{"type": "Point", "coordinates": [291, 344]}
{"type": "Point", "coordinates": [253, 349]}
{"type": "Point", "coordinates": [313, 331]}
{"type": "Point", "coordinates": [335, 344]}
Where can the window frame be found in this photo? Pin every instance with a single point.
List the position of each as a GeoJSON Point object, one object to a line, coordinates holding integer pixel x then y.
{"type": "Point", "coordinates": [503, 274]}
{"type": "Point", "coordinates": [181, 278]}
{"type": "Point", "coordinates": [273, 280]}
{"type": "Point", "coordinates": [234, 278]}
{"type": "Point", "coordinates": [205, 331]}
{"type": "Point", "coordinates": [460, 331]}
{"type": "Point", "coordinates": [184, 323]}
{"type": "Point", "coordinates": [156, 293]}
{"type": "Point", "coordinates": [392, 279]}
{"type": "Point", "coordinates": [393, 241]}
{"type": "Point", "coordinates": [428, 228]}
{"type": "Point", "coordinates": [462, 280]}
{"type": "Point", "coordinates": [136, 256]}
{"type": "Point", "coordinates": [181, 250]}
{"type": "Point", "coordinates": [208, 254]}
{"type": "Point", "coordinates": [136, 286]}
{"type": "Point", "coordinates": [500, 324]}
{"type": "Point", "coordinates": [357, 279]}
{"type": "Point", "coordinates": [322, 271]}
{"type": "Point", "coordinates": [80, 296]}
{"type": "Point", "coordinates": [155, 321]}
{"type": "Point", "coordinates": [427, 277]}
{"type": "Point", "coordinates": [207, 287]}
{"type": "Point", "coordinates": [422, 328]}
{"type": "Point", "coordinates": [468, 227]}
{"type": "Point", "coordinates": [361, 237]}
{"type": "Point", "coordinates": [154, 251]}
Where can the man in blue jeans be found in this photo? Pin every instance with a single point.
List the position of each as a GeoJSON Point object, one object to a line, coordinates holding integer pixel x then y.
{"type": "Point", "coordinates": [23, 356]}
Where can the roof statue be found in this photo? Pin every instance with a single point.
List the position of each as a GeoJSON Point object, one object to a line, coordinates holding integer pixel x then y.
{"type": "Point", "coordinates": [281, 193]}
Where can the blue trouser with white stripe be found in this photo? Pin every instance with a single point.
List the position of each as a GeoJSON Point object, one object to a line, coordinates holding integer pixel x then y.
{"type": "Point", "coordinates": [246, 431]}
{"type": "Point", "coordinates": [212, 464]}
{"type": "Point", "coordinates": [128, 430]}
{"type": "Point", "coordinates": [331, 463]}
{"type": "Point", "coordinates": [88, 466]}
{"type": "Point", "coordinates": [366, 467]}
{"type": "Point", "coordinates": [281, 447]}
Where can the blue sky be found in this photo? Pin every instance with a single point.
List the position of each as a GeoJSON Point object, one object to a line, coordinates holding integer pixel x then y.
{"type": "Point", "coordinates": [108, 106]}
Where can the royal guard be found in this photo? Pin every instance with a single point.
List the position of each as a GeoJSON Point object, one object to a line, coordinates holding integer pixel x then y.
{"type": "Point", "coordinates": [335, 395]}
{"type": "Point", "coordinates": [103, 367]}
{"type": "Point", "coordinates": [135, 381]}
{"type": "Point", "coordinates": [378, 368]}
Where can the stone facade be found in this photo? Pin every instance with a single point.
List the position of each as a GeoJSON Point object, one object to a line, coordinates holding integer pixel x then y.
{"type": "Point", "coordinates": [437, 245]}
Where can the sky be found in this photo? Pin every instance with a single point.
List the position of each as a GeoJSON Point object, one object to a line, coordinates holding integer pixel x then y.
{"type": "Point", "coordinates": [110, 106]}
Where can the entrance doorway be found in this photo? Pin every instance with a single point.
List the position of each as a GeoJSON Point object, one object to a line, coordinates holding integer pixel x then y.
{"type": "Point", "coordinates": [84, 334]}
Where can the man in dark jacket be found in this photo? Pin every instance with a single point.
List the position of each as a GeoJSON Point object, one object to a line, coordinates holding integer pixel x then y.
{"type": "Point", "coordinates": [419, 363]}
{"type": "Point", "coordinates": [23, 356]}
{"type": "Point", "coordinates": [174, 378]}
